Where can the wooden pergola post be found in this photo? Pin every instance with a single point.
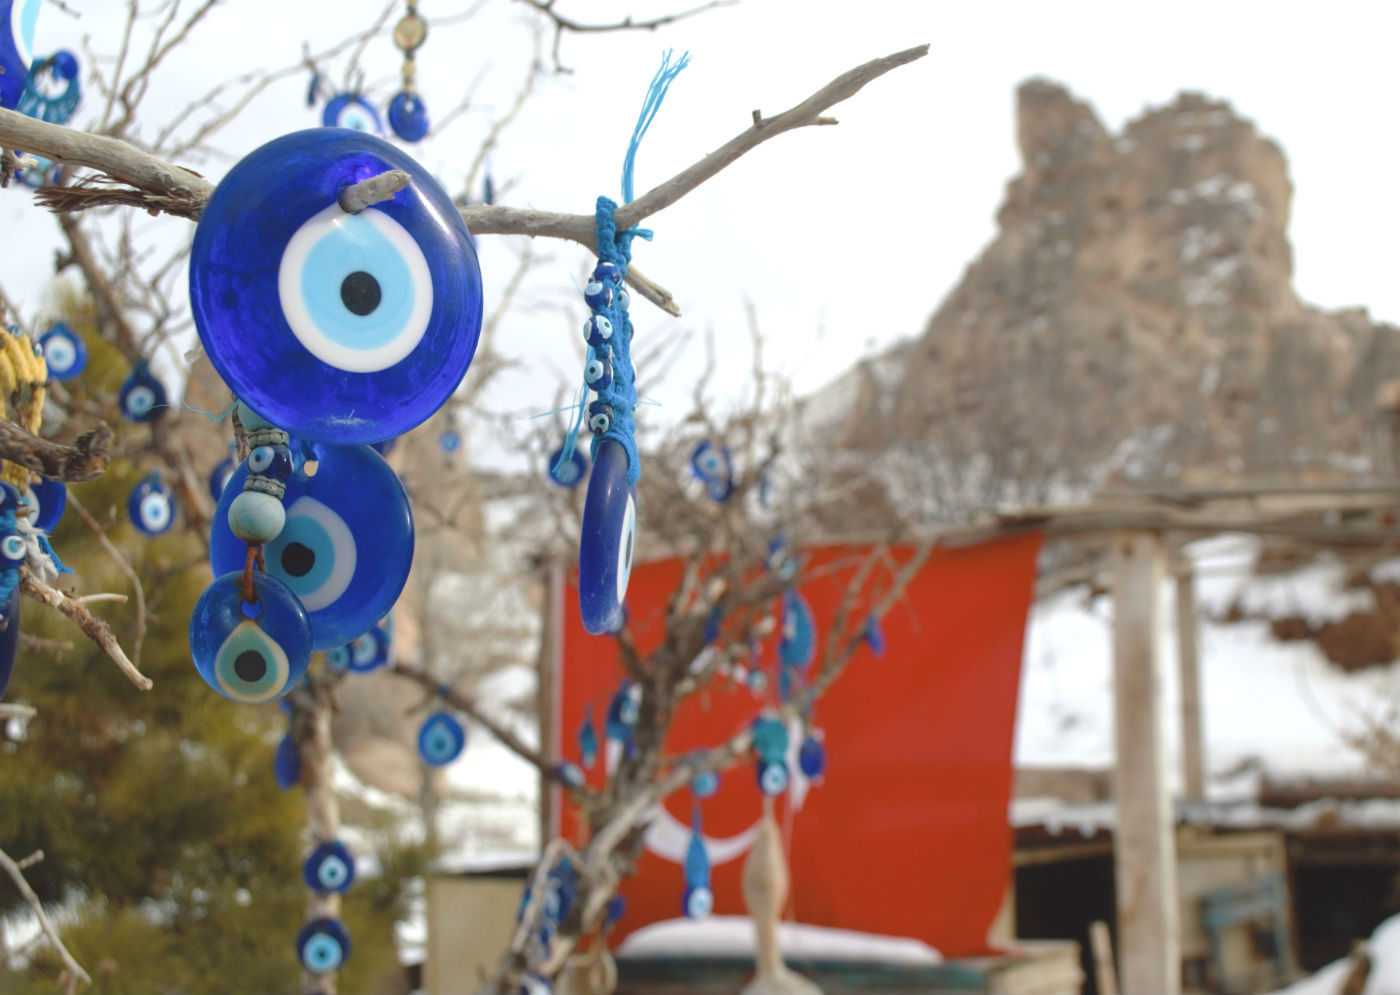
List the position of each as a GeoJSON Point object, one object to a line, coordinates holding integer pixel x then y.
{"type": "Point", "coordinates": [1188, 660]}
{"type": "Point", "coordinates": [1149, 932]}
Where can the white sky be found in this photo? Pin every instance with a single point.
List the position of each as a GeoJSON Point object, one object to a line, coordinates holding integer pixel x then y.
{"type": "Point", "coordinates": [845, 238]}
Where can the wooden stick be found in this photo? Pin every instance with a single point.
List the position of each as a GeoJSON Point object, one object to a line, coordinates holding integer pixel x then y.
{"type": "Point", "coordinates": [15, 870]}
{"type": "Point", "coordinates": [1101, 943]}
{"type": "Point", "coordinates": [95, 629]}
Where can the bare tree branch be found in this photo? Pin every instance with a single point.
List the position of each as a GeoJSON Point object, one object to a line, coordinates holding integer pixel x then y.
{"type": "Point", "coordinates": [15, 869]}
{"type": "Point", "coordinates": [95, 629]}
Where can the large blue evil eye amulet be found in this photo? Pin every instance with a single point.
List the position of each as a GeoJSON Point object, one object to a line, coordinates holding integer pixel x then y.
{"type": "Point", "coordinates": [350, 110]}
{"type": "Point", "coordinates": [323, 945]}
{"type": "Point", "coordinates": [142, 396]}
{"type": "Point", "coordinates": [441, 739]}
{"type": "Point", "coordinates": [17, 20]}
{"type": "Point", "coordinates": [346, 547]}
{"type": "Point", "coordinates": [605, 540]}
{"type": "Point", "coordinates": [250, 652]}
{"type": "Point", "coordinates": [408, 116]}
{"type": "Point", "coordinates": [152, 506]}
{"type": "Point", "coordinates": [329, 869]}
{"type": "Point", "coordinates": [65, 354]}
{"type": "Point", "coordinates": [337, 327]}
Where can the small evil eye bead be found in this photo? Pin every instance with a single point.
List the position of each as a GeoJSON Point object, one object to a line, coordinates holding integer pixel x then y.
{"type": "Point", "coordinates": [152, 506]}
{"type": "Point", "coordinates": [350, 110]}
{"type": "Point", "coordinates": [286, 763]}
{"type": "Point", "coordinates": [598, 374]}
{"type": "Point", "coordinates": [369, 652]}
{"type": "Point", "coordinates": [65, 354]}
{"type": "Point", "coordinates": [450, 441]}
{"type": "Point", "coordinates": [323, 945]}
{"type": "Point", "coordinates": [568, 473]}
{"type": "Point", "coordinates": [142, 396]}
{"type": "Point", "coordinates": [811, 756]}
{"type": "Point", "coordinates": [250, 651]}
{"type": "Point", "coordinates": [606, 272]}
{"type": "Point", "coordinates": [254, 516]}
{"type": "Point", "coordinates": [629, 705]}
{"type": "Point", "coordinates": [13, 549]}
{"type": "Point", "coordinates": [408, 116]}
{"type": "Point", "coordinates": [599, 417]}
{"type": "Point", "coordinates": [624, 299]}
{"type": "Point", "coordinates": [704, 784]}
{"type": "Point", "coordinates": [597, 330]}
{"type": "Point", "coordinates": [772, 778]}
{"type": "Point", "coordinates": [698, 902]}
{"type": "Point", "coordinates": [330, 869]}
{"type": "Point", "coordinates": [757, 681]}
{"type": "Point", "coordinates": [338, 658]}
{"type": "Point", "coordinates": [441, 739]}
{"type": "Point", "coordinates": [271, 461]}
{"type": "Point", "coordinates": [598, 294]}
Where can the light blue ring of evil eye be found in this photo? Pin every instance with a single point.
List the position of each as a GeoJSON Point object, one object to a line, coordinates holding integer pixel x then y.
{"type": "Point", "coordinates": [323, 945]}
{"type": "Point", "coordinates": [697, 902]}
{"type": "Point", "coordinates": [347, 545]}
{"type": "Point", "coordinates": [352, 111]}
{"type": "Point", "coordinates": [338, 658]}
{"type": "Point", "coordinates": [772, 778]}
{"type": "Point", "coordinates": [65, 353]}
{"type": "Point", "coordinates": [48, 498]}
{"type": "Point", "coordinates": [151, 506]}
{"type": "Point", "coordinates": [17, 21]}
{"type": "Point", "coordinates": [408, 116]}
{"type": "Point", "coordinates": [606, 539]}
{"type": "Point", "coordinates": [329, 869]}
{"type": "Point", "coordinates": [568, 474]}
{"type": "Point", "coordinates": [250, 659]}
{"type": "Point", "coordinates": [295, 358]}
{"type": "Point", "coordinates": [441, 739]}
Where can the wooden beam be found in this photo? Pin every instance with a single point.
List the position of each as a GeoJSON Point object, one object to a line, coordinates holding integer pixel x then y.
{"type": "Point", "coordinates": [1149, 929]}
{"type": "Point", "coordinates": [1188, 662]}
{"type": "Point", "coordinates": [548, 700]}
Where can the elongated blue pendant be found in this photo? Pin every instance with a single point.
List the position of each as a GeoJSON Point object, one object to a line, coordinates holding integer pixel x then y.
{"type": "Point", "coordinates": [798, 644]}
{"type": "Point", "coordinates": [286, 763]}
{"type": "Point", "coordinates": [250, 652]}
{"type": "Point", "coordinates": [698, 900]}
{"type": "Point", "coordinates": [605, 541]}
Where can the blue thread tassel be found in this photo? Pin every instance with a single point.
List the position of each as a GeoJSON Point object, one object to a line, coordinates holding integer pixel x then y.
{"type": "Point", "coordinates": [655, 94]}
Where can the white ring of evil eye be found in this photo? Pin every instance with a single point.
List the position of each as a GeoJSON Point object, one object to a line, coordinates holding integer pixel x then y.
{"type": "Point", "coordinates": [624, 548]}
{"type": "Point", "coordinates": [342, 547]}
{"type": "Point", "coordinates": [141, 400]}
{"type": "Point", "coordinates": [260, 459]}
{"type": "Point", "coordinates": [155, 511]}
{"type": "Point", "coordinates": [363, 228]}
{"type": "Point", "coordinates": [59, 353]}
{"type": "Point", "coordinates": [600, 422]}
{"type": "Point", "coordinates": [14, 549]}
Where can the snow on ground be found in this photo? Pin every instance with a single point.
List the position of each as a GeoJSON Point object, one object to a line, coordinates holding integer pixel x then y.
{"type": "Point", "coordinates": [1383, 979]}
{"type": "Point", "coordinates": [732, 936]}
{"type": "Point", "coordinates": [1276, 707]}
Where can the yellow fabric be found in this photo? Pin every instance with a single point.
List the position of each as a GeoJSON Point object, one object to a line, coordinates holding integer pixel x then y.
{"type": "Point", "coordinates": [23, 374]}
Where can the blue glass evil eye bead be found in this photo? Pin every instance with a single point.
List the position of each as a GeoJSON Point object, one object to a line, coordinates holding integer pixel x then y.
{"type": "Point", "coordinates": [710, 463]}
{"type": "Point", "coordinates": [874, 636]}
{"type": "Point", "coordinates": [339, 328]}
{"type": "Point", "coordinates": [798, 644]}
{"type": "Point", "coordinates": [65, 353]}
{"type": "Point", "coordinates": [599, 418]}
{"type": "Point", "coordinates": [450, 441]}
{"type": "Point", "coordinates": [17, 20]}
{"type": "Point", "coordinates": [697, 902]}
{"type": "Point", "coordinates": [286, 763]}
{"type": "Point", "coordinates": [345, 548]}
{"type": "Point", "coordinates": [250, 653]}
{"type": "Point", "coordinates": [142, 396]}
{"type": "Point", "coordinates": [408, 116]}
{"type": "Point", "coordinates": [598, 295]}
{"type": "Point", "coordinates": [274, 462]}
{"type": "Point", "coordinates": [811, 756]}
{"type": "Point", "coordinates": [323, 945]}
{"type": "Point", "coordinates": [350, 110]}
{"type": "Point", "coordinates": [441, 739]}
{"type": "Point", "coordinates": [605, 541]}
{"type": "Point", "coordinates": [369, 651]}
{"type": "Point", "coordinates": [152, 506]}
{"type": "Point", "coordinates": [330, 869]}
{"type": "Point", "coordinates": [704, 784]}
{"type": "Point", "coordinates": [597, 330]}
{"type": "Point", "coordinates": [772, 778]}
{"type": "Point", "coordinates": [597, 373]}
{"type": "Point", "coordinates": [46, 500]}
{"type": "Point", "coordinates": [606, 272]}
{"type": "Point", "coordinates": [570, 473]}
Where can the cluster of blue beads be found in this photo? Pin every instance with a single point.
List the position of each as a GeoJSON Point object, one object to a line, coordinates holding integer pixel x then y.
{"type": "Point", "coordinates": [608, 371]}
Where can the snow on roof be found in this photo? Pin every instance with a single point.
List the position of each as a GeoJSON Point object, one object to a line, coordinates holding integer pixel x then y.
{"type": "Point", "coordinates": [1278, 707]}
{"type": "Point", "coordinates": [732, 936]}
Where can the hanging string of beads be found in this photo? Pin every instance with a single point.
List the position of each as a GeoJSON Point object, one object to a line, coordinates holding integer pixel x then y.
{"type": "Point", "coordinates": [408, 116]}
